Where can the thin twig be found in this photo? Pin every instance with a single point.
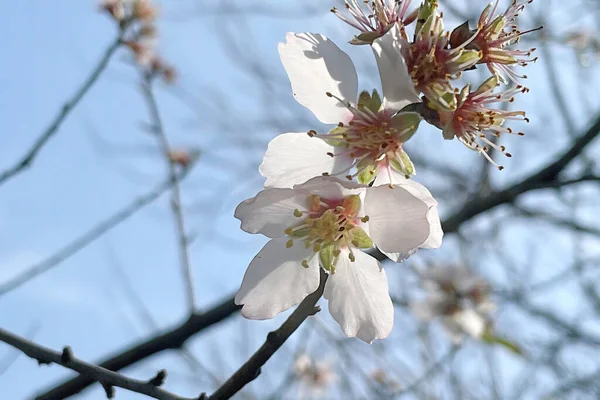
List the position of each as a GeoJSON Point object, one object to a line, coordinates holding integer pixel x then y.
{"type": "Point", "coordinates": [159, 131]}
{"type": "Point", "coordinates": [107, 378]}
{"type": "Point", "coordinates": [65, 110]}
{"type": "Point", "coordinates": [88, 237]}
{"type": "Point", "coordinates": [251, 368]}
{"type": "Point", "coordinates": [174, 338]}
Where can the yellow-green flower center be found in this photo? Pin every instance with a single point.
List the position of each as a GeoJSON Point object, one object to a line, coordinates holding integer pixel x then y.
{"type": "Point", "coordinates": [328, 226]}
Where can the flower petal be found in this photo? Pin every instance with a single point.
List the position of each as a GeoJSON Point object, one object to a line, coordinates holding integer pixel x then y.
{"type": "Point", "coordinates": [358, 297]}
{"type": "Point", "coordinates": [397, 219]}
{"type": "Point", "coordinates": [315, 66]}
{"type": "Point", "coordinates": [386, 176]}
{"type": "Point", "coordinates": [276, 280]}
{"type": "Point", "coordinates": [471, 322]}
{"type": "Point", "coordinates": [331, 187]}
{"type": "Point", "coordinates": [398, 88]}
{"type": "Point", "coordinates": [271, 211]}
{"type": "Point", "coordinates": [294, 158]}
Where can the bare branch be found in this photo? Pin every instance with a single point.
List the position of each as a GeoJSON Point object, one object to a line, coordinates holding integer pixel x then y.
{"type": "Point", "coordinates": [169, 340]}
{"type": "Point", "coordinates": [90, 236]}
{"type": "Point", "coordinates": [107, 378]}
{"type": "Point", "coordinates": [65, 110]}
{"type": "Point", "coordinates": [251, 368]}
{"type": "Point", "coordinates": [159, 131]}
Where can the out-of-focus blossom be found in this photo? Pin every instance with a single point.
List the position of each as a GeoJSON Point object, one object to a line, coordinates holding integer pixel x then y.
{"type": "Point", "coordinates": [314, 376]}
{"type": "Point", "coordinates": [460, 299]}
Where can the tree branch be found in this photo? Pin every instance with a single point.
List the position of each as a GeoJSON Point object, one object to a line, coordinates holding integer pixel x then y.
{"type": "Point", "coordinates": [171, 339]}
{"type": "Point", "coordinates": [251, 368]}
{"type": "Point", "coordinates": [107, 378]}
{"type": "Point", "coordinates": [159, 130]}
{"type": "Point", "coordinates": [65, 110]}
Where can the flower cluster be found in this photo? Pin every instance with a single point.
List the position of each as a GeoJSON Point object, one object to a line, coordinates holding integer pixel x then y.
{"type": "Point", "coordinates": [136, 20]}
{"type": "Point", "coordinates": [331, 195]}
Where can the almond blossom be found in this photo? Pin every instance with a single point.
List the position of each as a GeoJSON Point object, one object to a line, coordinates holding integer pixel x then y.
{"type": "Point", "coordinates": [374, 18]}
{"type": "Point", "coordinates": [370, 132]}
{"type": "Point", "coordinates": [315, 376]}
{"type": "Point", "coordinates": [327, 223]}
{"type": "Point", "coordinates": [495, 33]}
{"type": "Point", "coordinates": [478, 115]}
{"type": "Point", "coordinates": [459, 298]}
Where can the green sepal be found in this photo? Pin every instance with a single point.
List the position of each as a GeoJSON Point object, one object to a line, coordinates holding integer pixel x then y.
{"type": "Point", "coordinates": [371, 102]}
{"type": "Point", "coordinates": [466, 60]}
{"type": "Point", "coordinates": [360, 239]}
{"type": "Point", "coordinates": [402, 163]}
{"type": "Point", "coordinates": [406, 120]}
{"type": "Point", "coordinates": [327, 257]}
{"type": "Point", "coordinates": [336, 130]}
{"type": "Point", "coordinates": [489, 84]}
{"type": "Point", "coordinates": [368, 171]}
{"type": "Point", "coordinates": [426, 10]}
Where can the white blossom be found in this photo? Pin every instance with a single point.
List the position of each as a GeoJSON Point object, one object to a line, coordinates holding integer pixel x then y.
{"type": "Point", "coordinates": [370, 132]}
{"type": "Point", "coordinates": [327, 222]}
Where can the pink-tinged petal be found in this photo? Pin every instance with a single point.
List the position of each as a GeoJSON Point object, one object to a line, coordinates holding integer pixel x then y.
{"type": "Point", "coordinates": [294, 158]}
{"type": "Point", "coordinates": [276, 280]}
{"type": "Point", "coordinates": [315, 66]}
{"type": "Point", "coordinates": [271, 211]}
{"type": "Point", "coordinates": [358, 297]}
{"type": "Point", "coordinates": [397, 219]}
{"type": "Point", "coordinates": [398, 88]}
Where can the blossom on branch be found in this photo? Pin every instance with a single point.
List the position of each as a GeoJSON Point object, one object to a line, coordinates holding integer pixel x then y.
{"type": "Point", "coordinates": [327, 223]}
{"type": "Point", "coordinates": [477, 116]}
{"type": "Point", "coordinates": [431, 62]}
{"type": "Point", "coordinates": [370, 132]}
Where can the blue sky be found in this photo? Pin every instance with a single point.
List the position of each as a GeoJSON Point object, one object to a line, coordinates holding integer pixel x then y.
{"type": "Point", "coordinates": [88, 171]}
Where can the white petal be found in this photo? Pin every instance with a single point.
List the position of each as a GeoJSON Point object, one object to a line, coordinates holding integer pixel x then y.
{"type": "Point", "coordinates": [294, 158]}
{"type": "Point", "coordinates": [400, 257]}
{"type": "Point", "coordinates": [315, 66]}
{"type": "Point", "coordinates": [471, 322]}
{"type": "Point", "coordinates": [398, 88]}
{"type": "Point", "coordinates": [276, 280]}
{"type": "Point", "coordinates": [331, 187]}
{"type": "Point", "coordinates": [358, 297]}
{"type": "Point", "coordinates": [397, 219]}
{"type": "Point", "coordinates": [385, 176]}
{"type": "Point", "coordinates": [271, 211]}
